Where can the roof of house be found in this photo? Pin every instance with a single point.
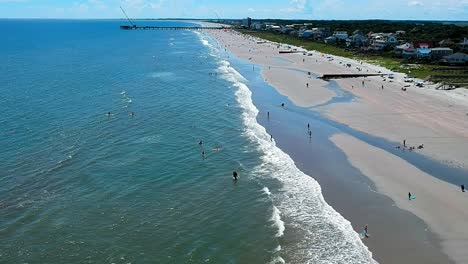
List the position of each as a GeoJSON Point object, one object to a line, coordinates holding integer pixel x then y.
{"type": "Point", "coordinates": [424, 51]}
{"type": "Point", "coordinates": [441, 49]}
{"type": "Point", "coordinates": [446, 42]}
{"type": "Point", "coordinates": [457, 55]}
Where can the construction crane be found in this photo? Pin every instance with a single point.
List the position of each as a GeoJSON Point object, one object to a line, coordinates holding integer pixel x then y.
{"type": "Point", "coordinates": [129, 20]}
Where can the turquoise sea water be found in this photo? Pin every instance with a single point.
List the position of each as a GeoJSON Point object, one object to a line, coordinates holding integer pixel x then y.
{"type": "Point", "coordinates": [80, 186]}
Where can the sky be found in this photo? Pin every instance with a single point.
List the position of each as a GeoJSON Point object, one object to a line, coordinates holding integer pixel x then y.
{"type": "Point", "coordinates": [284, 9]}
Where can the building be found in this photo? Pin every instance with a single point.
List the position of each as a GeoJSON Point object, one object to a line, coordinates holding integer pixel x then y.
{"type": "Point", "coordinates": [446, 43]}
{"type": "Point", "coordinates": [423, 52]}
{"type": "Point", "coordinates": [463, 45]}
{"type": "Point", "coordinates": [257, 26]}
{"type": "Point", "coordinates": [406, 50]}
{"type": "Point", "coordinates": [306, 33]}
{"type": "Point", "coordinates": [358, 39]}
{"type": "Point", "coordinates": [456, 59]}
{"type": "Point", "coordinates": [246, 22]}
{"type": "Point", "coordinates": [343, 35]}
{"type": "Point", "coordinates": [439, 53]}
{"type": "Point", "coordinates": [379, 41]}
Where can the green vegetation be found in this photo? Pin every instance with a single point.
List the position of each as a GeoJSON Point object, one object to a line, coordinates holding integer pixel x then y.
{"type": "Point", "coordinates": [395, 64]}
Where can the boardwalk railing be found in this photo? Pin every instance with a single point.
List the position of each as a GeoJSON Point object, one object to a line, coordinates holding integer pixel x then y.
{"type": "Point", "coordinates": [168, 28]}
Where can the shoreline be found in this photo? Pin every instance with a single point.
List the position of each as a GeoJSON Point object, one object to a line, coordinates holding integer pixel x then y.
{"type": "Point", "coordinates": [299, 94]}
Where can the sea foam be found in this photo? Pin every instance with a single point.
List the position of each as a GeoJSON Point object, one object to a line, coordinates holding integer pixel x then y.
{"type": "Point", "coordinates": [328, 235]}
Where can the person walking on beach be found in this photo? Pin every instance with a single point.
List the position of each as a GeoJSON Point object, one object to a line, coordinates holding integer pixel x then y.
{"type": "Point", "coordinates": [382, 86]}
{"type": "Point", "coordinates": [404, 143]}
{"type": "Point", "coordinates": [234, 175]}
{"type": "Point", "coordinates": [463, 188]}
{"type": "Point", "coordinates": [307, 85]}
{"type": "Point", "coordinates": [365, 232]}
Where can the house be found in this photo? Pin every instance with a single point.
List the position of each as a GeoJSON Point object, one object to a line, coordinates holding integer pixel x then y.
{"type": "Point", "coordinates": [358, 39]}
{"type": "Point", "coordinates": [406, 50]}
{"type": "Point", "coordinates": [423, 53]}
{"type": "Point", "coordinates": [257, 26]}
{"type": "Point", "coordinates": [274, 28]}
{"type": "Point", "coordinates": [439, 53]}
{"type": "Point", "coordinates": [246, 22]}
{"type": "Point", "coordinates": [306, 33]}
{"type": "Point", "coordinates": [343, 35]}
{"type": "Point", "coordinates": [379, 41]}
{"type": "Point", "coordinates": [319, 33]}
{"type": "Point", "coordinates": [463, 45]}
{"type": "Point", "coordinates": [446, 43]}
{"type": "Point", "coordinates": [457, 58]}
{"type": "Point", "coordinates": [331, 39]}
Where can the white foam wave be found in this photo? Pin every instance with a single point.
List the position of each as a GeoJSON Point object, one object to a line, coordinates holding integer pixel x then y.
{"type": "Point", "coordinates": [276, 218]}
{"type": "Point", "coordinates": [329, 235]}
{"type": "Point", "coordinates": [266, 191]}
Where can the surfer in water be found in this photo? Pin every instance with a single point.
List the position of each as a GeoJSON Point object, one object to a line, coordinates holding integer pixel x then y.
{"type": "Point", "coordinates": [366, 235]}
{"type": "Point", "coordinates": [282, 105]}
{"type": "Point", "coordinates": [203, 154]}
{"type": "Point", "coordinates": [234, 175]}
{"type": "Point", "coordinates": [462, 188]}
{"type": "Point", "coordinates": [409, 196]}
{"type": "Point", "coordinates": [200, 142]}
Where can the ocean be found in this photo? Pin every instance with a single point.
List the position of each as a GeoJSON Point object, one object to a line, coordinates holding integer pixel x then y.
{"type": "Point", "coordinates": [101, 161]}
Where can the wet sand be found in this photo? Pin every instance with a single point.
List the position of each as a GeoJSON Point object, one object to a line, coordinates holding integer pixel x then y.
{"type": "Point", "coordinates": [422, 117]}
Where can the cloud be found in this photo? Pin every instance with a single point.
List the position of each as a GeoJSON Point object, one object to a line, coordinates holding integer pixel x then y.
{"type": "Point", "coordinates": [251, 10]}
{"type": "Point", "coordinates": [415, 3]}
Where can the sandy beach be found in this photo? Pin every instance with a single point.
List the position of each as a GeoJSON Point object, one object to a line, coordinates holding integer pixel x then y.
{"type": "Point", "coordinates": [433, 119]}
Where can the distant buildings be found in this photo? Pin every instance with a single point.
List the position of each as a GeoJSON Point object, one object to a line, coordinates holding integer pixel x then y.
{"type": "Point", "coordinates": [372, 42]}
{"type": "Point", "coordinates": [246, 22]}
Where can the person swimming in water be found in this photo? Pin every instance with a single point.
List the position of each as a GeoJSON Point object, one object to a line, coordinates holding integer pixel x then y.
{"type": "Point", "coordinates": [234, 175]}
{"type": "Point", "coordinates": [200, 142]}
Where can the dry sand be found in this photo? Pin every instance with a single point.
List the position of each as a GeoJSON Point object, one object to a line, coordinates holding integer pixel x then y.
{"type": "Point", "coordinates": [437, 119]}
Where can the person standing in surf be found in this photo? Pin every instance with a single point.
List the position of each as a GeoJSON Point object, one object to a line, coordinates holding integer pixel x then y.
{"type": "Point", "coordinates": [234, 175]}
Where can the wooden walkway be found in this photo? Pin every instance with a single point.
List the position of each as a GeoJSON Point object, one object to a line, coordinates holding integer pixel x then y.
{"type": "Point", "coordinates": [348, 75]}
{"type": "Point", "coordinates": [168, 28]}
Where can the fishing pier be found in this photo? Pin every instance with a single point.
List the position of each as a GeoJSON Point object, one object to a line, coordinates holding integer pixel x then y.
{"type": "Point", "coordinates": [135, 27]}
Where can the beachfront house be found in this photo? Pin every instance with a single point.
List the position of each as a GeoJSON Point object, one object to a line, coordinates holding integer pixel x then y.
{"type": "Point", "coordinates": [273, 28]}
{"type": "Point", "coordinates": [423, 52]}
{"type": "Point", "coordinates": [456, 59]}
{"type": "Point", "coordinates": [406, 50]}
{"type": "Point", "coordinates": [440, 52]}
{"type": "Point", "coordinates": [342, 35]}
{"type": "Point", "coordinates": [463, 46]}
{"type": "Point", "coordinates": [306, 33]}
{"type": "Point", "coordinates": [331, 40]}
{"type": "Point", "coordinates": [379, 41]}
{"type": "Point", "coordinates": [358, 39]}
